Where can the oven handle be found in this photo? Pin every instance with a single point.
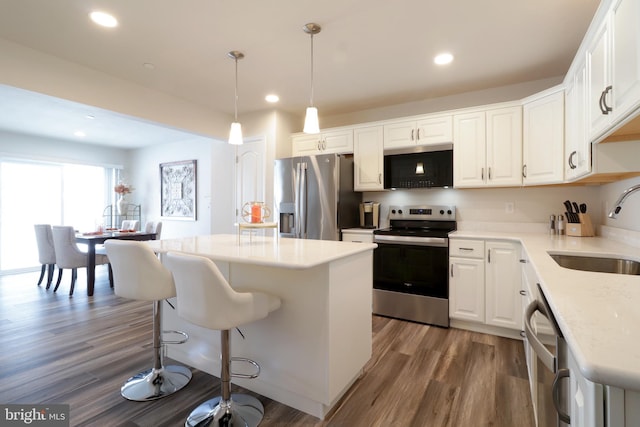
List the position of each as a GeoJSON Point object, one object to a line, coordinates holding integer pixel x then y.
{"type": "Point", "coordinates": [547, 358]}
{"type": "Point", "coordinates": [442, 242]}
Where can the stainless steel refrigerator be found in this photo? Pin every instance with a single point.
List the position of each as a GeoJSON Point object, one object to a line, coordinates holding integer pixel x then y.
{"type": "Point", "coordinates": [314, 197]}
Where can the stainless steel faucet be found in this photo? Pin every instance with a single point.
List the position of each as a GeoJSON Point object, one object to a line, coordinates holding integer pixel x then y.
{"type": "Point", "coordinates": [618, 204]}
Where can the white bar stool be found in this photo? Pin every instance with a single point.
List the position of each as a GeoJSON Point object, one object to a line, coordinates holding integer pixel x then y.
{"type": "Point", "coordinates": [138, 274]}
{"type": "Point", "coordinates": [206, 299]}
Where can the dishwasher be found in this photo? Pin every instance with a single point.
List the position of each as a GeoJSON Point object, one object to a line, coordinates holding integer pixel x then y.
{"type": "Point", "coordinates": [552, 399]}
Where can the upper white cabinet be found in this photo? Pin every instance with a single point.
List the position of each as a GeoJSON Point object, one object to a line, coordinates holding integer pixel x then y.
{"type": "Point", "coordinates": [368, 159]}
{"type": "Point", "coordinates": [543, 139]}
{"type": "Point", "coordinates": [335, 141]}
{"type": "Point", "coordinates": [425, 131]}
{"type": "Point", "coordinates": [488, 148]}
{"type": "Point", "coordinates": [577, 145]}
{"type": "Point", "coordinates": [613, 68]}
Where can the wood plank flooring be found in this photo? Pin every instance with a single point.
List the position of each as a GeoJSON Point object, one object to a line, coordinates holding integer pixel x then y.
{"type": "Point", "coordinates": [78, 350]}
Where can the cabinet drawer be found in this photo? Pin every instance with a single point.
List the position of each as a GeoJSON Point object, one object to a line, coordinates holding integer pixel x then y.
{"type": "Point", "coordinates": [357, 237]}
{"type": "Point", "coordinates": [466, 248]}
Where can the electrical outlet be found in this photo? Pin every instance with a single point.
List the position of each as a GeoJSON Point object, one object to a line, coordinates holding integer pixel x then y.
{"type": "Point", "coordinates": [509, 207]}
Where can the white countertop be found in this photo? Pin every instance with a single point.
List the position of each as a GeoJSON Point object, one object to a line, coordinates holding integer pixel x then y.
{"type": "Point", "coordinates": [598, 313]}
{"type": "Point", "coordinates": [259, 250]}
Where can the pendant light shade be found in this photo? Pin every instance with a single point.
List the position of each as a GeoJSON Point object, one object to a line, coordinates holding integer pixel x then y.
{"type": "Point", "coordinates": [311, 124]}
{"type": "Point", "coordinates": [235, 134]}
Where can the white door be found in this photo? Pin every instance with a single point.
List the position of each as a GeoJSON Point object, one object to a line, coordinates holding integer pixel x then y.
{"type": "Point", "coordinates": [250, 176]}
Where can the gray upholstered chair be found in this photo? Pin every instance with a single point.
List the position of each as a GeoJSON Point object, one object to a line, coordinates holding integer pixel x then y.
{"type": "Point", "coordinates": [205, 298]}
{"type": "Point", "coordinates": [138, 274]}
{"type": "Point", "coordinates": [130, 224]}
{"type": "Point", "coordinates": [46, 252]}
{"type": "Point", "coordinates": [68, 255]}
{"type": "Point", "coordinates": [154, 227]}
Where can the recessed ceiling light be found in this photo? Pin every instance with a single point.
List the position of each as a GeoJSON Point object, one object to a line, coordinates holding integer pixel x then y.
{"type": "Point", "coordinates": [80, 134]}
{"type": "Point", "coordinates": [104, 19]}
{"type": "Point", "coordinates": [272, 98]}
{"type": "Point", "coordinates": [443, 58]}
{"type": "Point", "coordinates": [149, 66]}
{"type": "Point", "coordinates": [90, 117]}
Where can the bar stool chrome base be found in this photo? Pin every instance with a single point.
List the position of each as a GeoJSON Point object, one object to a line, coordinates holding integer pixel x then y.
{"type": "Point", "coordinates": [154, 384]}
{"type": "Point", "coordinates": [241, 410]}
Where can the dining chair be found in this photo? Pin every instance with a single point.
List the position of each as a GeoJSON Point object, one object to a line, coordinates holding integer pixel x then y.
{"type": "Point", "coordinates": [130, 224]}
{"type": "Point", "coordinates": [46, 252]}
{"type": "Point", "coordinates": [68, 255]}
{"type": "Point", "coordinates": [153, 227]}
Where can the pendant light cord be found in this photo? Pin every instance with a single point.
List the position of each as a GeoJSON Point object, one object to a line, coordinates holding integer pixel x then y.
{"type": "Point", "coordinates": [311, 99]}
{"type": "Point", "coordinates": [236, 100]}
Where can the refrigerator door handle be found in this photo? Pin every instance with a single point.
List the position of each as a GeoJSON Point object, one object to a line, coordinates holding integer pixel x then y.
{"type": "Point", "coordinates": [302, 201]}
{"type": "Point", "coordinates": [296, 201]}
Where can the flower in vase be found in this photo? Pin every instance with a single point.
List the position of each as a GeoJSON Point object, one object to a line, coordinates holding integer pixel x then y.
{"type": "Point", "coordinates": [123, 189]}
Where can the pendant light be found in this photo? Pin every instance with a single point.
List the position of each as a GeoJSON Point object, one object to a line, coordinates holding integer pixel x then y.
{"type": "Point", "coordinates": [311, 124]}
{"type": "Point", "coordinates": [235, 134]}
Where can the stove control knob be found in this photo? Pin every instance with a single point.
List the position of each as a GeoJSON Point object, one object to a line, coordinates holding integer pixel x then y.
{"type": "Point", "coordinates": [400, 211]}
{"type": "Point", "coordinates": [441, 212]}
{"type": "Point", "coordinates": [393, 211]}
{"type": "Point", "coordinates": [449, 212]}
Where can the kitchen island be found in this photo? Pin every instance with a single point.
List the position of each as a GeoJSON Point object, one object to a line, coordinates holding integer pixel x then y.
{"type": "Point", "coordinates": [315, 346]}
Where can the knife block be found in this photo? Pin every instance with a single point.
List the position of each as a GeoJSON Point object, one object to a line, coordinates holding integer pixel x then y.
{"type": "Point", "coordinates": [581, 229]}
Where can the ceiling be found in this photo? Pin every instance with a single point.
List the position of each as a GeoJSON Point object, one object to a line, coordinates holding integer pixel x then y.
{"type": "Point", "coordinates": [370, 53]}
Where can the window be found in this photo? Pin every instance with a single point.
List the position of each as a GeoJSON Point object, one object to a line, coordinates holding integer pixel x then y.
{"type": "Point", "coordinates": [45, 193]}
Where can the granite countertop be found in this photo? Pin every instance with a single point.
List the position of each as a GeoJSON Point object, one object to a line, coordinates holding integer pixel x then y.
{"type": "Point", "coordinates": [260, 250]}
{"type": "Point", "coordinates": [598, 313]}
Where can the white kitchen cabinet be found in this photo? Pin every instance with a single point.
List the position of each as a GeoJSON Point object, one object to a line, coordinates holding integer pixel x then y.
{"type": "Point", "coordinates": [466, 281]}
{"type": "Point", "coordinates": [503, 275]}
{"type": "Point", "coordinates": [488, 148]}
{"type": "Point", "coordinates": [543, 139]}
{"type": "Point", "coordinates": [613, 67]}
{"type": "Point", "coordinates": [586, 399]}
{"type": "Point", "coordinates": [358, 235]}
{"type": "Point", "coordinates": [485, 282]}
{"type": "Point", "coordinates": [577, 148]}
{"type": "Point", "coordinates": [626, 56]}
{"type": "Point", "coordinates": [599, 78]}
{"type": "Point", "coordinates": [339, 141]}
{"type": "Point", "coordinates": [368, 159]}
{"type": "Point", "coordinates": [425, 131]}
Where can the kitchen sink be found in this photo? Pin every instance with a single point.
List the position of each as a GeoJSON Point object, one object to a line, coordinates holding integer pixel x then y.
{"type": "Point", "coordinates": [599, 264]}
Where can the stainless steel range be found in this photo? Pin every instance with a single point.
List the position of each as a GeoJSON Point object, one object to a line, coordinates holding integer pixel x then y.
{"type": "Point", "coordinates": [410, 270]}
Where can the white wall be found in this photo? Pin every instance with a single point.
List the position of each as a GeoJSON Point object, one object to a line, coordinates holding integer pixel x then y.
{"type": "Point", "coordinates": [56, 150]}
{"type": "Point", "coordinates": [214, 190]}
{"type": "Point", "coordinates": [478, 207]}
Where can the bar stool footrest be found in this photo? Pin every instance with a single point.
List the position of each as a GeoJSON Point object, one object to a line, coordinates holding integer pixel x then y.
{"type": "Point", "coordinates": [245, 360]}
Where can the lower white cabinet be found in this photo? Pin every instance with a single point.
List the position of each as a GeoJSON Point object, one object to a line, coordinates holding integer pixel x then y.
{"type": "Point", "coordinates": [359, 235]}
{"type": "Point", "coordinates": [485, 282]}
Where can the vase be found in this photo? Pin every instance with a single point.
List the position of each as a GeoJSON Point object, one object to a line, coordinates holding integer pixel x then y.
{"type": "Point", "coordinates": [122, 205]}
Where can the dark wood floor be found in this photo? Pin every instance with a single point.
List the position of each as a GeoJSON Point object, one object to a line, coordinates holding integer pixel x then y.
{"type": "Point", "coordinates": [79, 350]}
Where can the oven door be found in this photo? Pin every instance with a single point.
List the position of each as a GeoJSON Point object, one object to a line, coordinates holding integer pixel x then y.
{"type": "Point", "coordinates": [412, 265]}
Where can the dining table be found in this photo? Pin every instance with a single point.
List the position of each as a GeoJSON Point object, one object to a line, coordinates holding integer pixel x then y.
{"type": "Point", "coordinates": [92, 239]}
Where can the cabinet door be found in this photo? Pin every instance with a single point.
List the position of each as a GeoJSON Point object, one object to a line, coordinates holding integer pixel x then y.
{"type": "Point", "coordinates": [626, 56]}
{"type": "Point", "coordinates": [399, 135]}
{"type": "Point", "coordinates": [339, 142]}
{"type": "Point", "coordinates": [469, 149]}
{"type": "Point", "coordinates": [503, 285]}
{"type": "Point", "coordinates": [466, 289]}
{"type": "Point", "coordinates": [434, 130]}
{"type": "Point", "coordinates": [504, 147]}
{"type": "Point", "coordinates": [368, 159]}
{"type": "Point", "coordinates": [348, 236]}
{"type": "Point", "coordinates": [586, 399]}
{"type": "Point", "coordinates": [577, 151]}
{"type": "Point", "coordinates": [306, 145]}
{"type": "Point", "coordinates": [598, 74]}
{"type": "Point", "coordinates": [543, 140]}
